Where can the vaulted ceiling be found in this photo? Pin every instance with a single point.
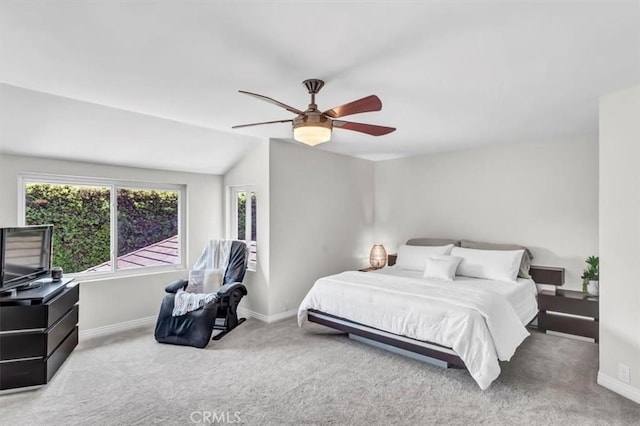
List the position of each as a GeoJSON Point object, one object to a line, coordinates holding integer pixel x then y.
{"type": "Point", "coordinates": [161, 77]}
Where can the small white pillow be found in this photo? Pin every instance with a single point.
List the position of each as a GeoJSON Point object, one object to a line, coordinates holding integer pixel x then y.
{"type": "Point", "coordinates": [413, 257]}
{"type": "Point", "coordinates": [204, 280]}
{"type": "Point", "coordinates": [212, 280]}
{"type": "Point", "coordinates": [498, 265]}
{"type": "Point", "coordinates": [196, 281]}
{"type": "Point", "coordinates": [441, 267]}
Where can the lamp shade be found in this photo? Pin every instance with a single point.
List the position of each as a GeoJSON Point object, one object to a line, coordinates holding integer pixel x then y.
{"type": "Point", "coordinates": [312, 135]}
{"type": "Point", "coordinates": [378, 256]}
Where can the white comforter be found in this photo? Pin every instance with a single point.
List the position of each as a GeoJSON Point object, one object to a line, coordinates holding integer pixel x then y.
{"type": "Point", "coordinates": [479, 325]}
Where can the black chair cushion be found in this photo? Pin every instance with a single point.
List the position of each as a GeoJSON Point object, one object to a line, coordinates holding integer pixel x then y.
{"type": "Point", "coordinates": [192, 329]}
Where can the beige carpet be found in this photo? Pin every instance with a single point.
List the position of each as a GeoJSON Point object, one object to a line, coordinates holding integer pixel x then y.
{"type": "Point", "coordinates": [278, 374]}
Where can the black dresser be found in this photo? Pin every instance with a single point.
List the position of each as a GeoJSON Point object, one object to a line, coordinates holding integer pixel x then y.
{"type": "Point", "coordinates": [38, 331]}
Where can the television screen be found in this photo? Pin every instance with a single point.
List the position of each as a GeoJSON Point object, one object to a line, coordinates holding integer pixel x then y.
{"type": "Point", "coordinates": [26, 254]}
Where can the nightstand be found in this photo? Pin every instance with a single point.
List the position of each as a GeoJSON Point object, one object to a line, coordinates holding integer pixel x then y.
{"type": "Point", "coordinates": [571, 312]}
{"type": "Point", "coordinates": [368, 269]}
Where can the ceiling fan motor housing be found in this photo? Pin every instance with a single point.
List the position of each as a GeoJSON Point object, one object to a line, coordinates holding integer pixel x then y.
{"type": "Point", "coordinates": [312, 118]}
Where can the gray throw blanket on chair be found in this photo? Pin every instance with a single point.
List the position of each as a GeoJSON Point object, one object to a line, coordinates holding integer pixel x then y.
{"type": "Point", "coordinates": [205, 277]}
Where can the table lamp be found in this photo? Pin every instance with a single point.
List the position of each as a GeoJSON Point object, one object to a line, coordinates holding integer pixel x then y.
{"type": "Point", "coordinates": [378, 256]}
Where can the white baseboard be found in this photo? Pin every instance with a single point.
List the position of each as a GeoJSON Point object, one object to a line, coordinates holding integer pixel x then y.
{"type": "Point", "coordinates": [243, 312]}
{"type": "Point", "coordinates": [267, 318]}
{"type": "Point", "coordinates": [128, 325]}
{"type": "Point", "coordinates": [619, 387]}
{"type": "Point", "coordinates": [282, 316]}
{"type": "Point", "coordinates": [121, 326]}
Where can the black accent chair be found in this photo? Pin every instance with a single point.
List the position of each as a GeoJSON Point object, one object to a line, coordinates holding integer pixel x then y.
{"type": "Point", "coordinates": [196, 328]}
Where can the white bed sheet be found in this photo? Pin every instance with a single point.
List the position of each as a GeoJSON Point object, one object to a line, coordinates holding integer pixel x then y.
{"type": "Point", "coordinates": [474, 317]}
{"type": "Point", "coordinates": [522, 295]}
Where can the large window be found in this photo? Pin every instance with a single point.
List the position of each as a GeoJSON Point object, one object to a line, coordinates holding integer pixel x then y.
{"type": "Point", "coordinates": [243, 219]}
{"type": "Point", "coordinates": [103, 226]}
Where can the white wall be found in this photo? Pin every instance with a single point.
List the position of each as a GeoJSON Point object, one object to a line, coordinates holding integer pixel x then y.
{"type": "Point", "coordinates": [321, 216]}
{"type": "Point", "coordinates": [116, 300]}
{"type": "Point", "coordinates": [543, 195]}
{"type": "Point", "coordinates": [253, 169]}
{"type": "Point", "coordinates": [620, 240]}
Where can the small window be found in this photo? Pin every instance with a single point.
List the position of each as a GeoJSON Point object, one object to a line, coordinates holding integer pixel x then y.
{"type": "Point", "coordinates": [103, 226]}
{"type": "Point", "coordinates": [243, 219]}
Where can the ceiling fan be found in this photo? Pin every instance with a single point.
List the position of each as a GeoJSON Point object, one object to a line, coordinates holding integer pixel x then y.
{"type": "Point", "coordinates": [313, 127]}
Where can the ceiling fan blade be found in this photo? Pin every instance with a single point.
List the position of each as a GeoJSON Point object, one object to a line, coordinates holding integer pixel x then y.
{"type": "Point", "coordinates": [273, 101]}
{"type": "Point", "coordinates": [264, 122]}
{"type": "Point", "coordinates": [370, 103]}
{"type": "Point", "coordinates": [370, 129]}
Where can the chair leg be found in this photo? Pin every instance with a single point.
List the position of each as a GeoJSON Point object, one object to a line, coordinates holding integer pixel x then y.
{"type": "Point", "coordinates": [223, 333]}
{"type": "Point", "coordinates": [230, 315]}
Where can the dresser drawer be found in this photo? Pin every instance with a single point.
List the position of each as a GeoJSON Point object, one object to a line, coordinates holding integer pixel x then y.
{"type": "Point", "coordinates": [26, 316]}
{"type": "Point", "coordinates": [61, 353]}
{"type": "Point", "coordinates": [29, 344]}
{"type": "Point", "coordinates": [571, 325]}
{"type": "Point", "coordinates": [33, 372]}
{"type": "Point", "coordinates": [583, 307]}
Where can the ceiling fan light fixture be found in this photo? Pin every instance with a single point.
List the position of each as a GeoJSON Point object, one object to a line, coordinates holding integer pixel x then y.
{"type": "Point", "coordinates": [312, 135]}
{"type": "Point", "coordinates": [313, 127]}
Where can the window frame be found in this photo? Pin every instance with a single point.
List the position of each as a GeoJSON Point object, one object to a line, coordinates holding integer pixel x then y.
{"type": "Point", "coordinates": [248, 220]}
{"type": "Point", "coordinates": [113, 185]}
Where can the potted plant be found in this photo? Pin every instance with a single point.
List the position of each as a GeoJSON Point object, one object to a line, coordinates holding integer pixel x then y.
{"type": "Point", "coordinates": [591, 276]}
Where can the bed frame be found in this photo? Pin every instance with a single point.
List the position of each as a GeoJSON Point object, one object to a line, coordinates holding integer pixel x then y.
{"type": "Point", "coordinates": [427, 351]}
{"type": "Point", "coordinates": [418, 349]}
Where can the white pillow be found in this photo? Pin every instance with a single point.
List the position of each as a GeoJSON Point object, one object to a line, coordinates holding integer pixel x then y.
{"type": "Point", "coordinates": [441, 267]}
{"type": "Point", "coordinates": [196, 281]}
{"type": "Point", "coordinates": [413, 257]}
{"type": "Point", "coordinates": [212, 280]}
{"type": "Point", "coordinates": [498, 265]}
{"type": "Point", "coordinates": [204, 280]}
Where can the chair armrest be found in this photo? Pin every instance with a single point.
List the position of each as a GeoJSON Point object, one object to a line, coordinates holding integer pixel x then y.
{"type": "Point", "coordinates": [227, 289]}
{"type": "Point", "coordinates": [212, 305]}
{"type": "Point", "coordinates": [176, 285]}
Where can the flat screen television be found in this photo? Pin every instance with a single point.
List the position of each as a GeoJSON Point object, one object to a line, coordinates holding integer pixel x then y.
{"type": "Point", "coordinates": [25, 255]}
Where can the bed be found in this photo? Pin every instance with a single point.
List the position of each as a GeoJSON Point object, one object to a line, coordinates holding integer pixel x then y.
{"type": "Point", "coordinates": [470, 323]}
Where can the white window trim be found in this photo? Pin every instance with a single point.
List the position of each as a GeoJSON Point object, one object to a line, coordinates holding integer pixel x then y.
{"type": "Point", "coordinates": [24, 178]}
{"type": "Point", "coordinates": [248, 220]}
